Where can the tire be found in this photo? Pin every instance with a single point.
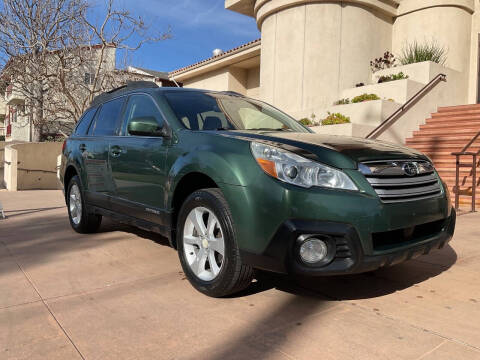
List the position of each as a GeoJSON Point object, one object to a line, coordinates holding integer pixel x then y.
{"type": "Point", "coordinates": [219, 275]}
{"type": "Point", "coordinates": [80, 220]}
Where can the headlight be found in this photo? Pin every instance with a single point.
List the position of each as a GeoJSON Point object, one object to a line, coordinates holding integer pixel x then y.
{"type": "Point", "coordinates": [297, 170]}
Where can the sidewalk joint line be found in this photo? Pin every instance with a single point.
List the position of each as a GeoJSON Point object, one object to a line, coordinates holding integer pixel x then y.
{"type": "Point", "coordinates": [432, 350]}
{"type": "Point", "coordinates": [44, 302]}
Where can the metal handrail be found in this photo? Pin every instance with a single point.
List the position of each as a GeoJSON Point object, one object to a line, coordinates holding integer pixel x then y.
{"type": "Point", "coordinates": [473, 165]}
{"type": "Point", "coordinates": [392, 119]}
{"type": "Point", "coordinates": [466, 147]}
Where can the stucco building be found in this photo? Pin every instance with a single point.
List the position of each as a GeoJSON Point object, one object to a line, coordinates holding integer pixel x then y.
{"type": "Point", "coordinates": [313, 53]}
{"type": "Point", "coordinates": [16, 113]}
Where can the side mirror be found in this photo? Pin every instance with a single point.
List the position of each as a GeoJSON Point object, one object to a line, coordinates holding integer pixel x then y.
{"type": "Point", "coordinates": [145, 126]}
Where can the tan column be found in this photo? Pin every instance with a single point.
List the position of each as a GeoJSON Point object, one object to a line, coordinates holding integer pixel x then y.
{"type": "Point", "coordinates": [311, 50]}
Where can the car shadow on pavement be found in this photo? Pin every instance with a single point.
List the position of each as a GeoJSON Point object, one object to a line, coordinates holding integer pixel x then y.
{"type": "Point", "coordinates": [314, 295]}
{"type": "Point", "coordinates": [377, 283]}
{"type": "Point", "coordinates": [109, 225]}
{"type": "Point", "coordinates": [22, 212]}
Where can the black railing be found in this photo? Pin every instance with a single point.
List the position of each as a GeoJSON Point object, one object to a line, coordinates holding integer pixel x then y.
{"type": "Point", "coordinates": [392, 119]}
{"type": "Point", "coordinates": [473, 165]}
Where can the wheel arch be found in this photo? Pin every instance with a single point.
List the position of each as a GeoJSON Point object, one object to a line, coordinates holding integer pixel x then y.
{"type": "Point", "coordinates": [70, 172]}
{"type": "Point", "coordinates": [185, 186]}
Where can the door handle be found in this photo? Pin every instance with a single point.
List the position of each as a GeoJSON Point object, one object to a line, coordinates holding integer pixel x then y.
{"type": "Point", "coordinates": [116, 151]}
{"type": "Point", "coordinates": [82, 148]}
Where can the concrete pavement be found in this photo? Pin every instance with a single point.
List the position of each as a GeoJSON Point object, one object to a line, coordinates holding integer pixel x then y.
{"type": "Point", "coordinates": [121, 294]}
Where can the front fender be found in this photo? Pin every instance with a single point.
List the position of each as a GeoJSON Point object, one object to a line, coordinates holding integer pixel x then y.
{"type": "Point", "coordinates": [224, 161]}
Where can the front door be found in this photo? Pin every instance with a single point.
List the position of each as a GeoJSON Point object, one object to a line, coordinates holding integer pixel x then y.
{"type": "Point", "coordinates": [138, 164]}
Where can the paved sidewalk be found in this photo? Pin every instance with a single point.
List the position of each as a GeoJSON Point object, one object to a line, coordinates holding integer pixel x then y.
{"type": "Point", "coordinates": [121, 294]}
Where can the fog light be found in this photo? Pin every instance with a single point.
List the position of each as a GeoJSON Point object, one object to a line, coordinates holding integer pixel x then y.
{"type": "Point", "coordinates": [313, 250]}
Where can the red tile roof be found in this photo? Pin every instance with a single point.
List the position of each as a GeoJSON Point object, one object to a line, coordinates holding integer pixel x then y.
{"type": "Point", "coordinates": [218, 57]}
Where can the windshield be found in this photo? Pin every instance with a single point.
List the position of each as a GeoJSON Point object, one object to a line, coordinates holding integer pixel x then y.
{"type": "Point", "coordinates": [212, 111]}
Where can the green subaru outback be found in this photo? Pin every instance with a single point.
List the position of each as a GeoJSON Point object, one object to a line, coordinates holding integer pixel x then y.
{"type": "Point", "coordinates": [237, 185]}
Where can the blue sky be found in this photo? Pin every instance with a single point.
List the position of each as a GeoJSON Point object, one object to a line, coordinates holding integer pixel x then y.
{"type": "Point", "coordinates": [197, 27]}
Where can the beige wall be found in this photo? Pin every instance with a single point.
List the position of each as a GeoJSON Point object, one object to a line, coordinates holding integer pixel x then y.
{"type": "Point", "coordinates": [216, 80]}
{"type": "Point", "coordinates": [312, 51]}
{"type": "Point", "coordinates": [32, 166]}
{"type": "Point", "coordinates": [2, 156]}
{"type": "Point", "coordinates": [253, 82]}
{"type": "Point", "coordinates": [474, 55]}
{"type": "Point", "coordinates": [245, 81]}
{"type": "Point", "coordinates": [20, 129]}
{"type": "Point", "coordinates": [448, 25]}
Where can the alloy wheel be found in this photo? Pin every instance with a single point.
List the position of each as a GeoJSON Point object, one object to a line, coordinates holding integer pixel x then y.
{"type": "Point", "coordinates": [203, 243]}
{"type": "Point", "coordinates": [75, 204]}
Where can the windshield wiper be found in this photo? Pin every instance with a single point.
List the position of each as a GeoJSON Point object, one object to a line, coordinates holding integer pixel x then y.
{"type": "Point", "coordinates": [269, 129]}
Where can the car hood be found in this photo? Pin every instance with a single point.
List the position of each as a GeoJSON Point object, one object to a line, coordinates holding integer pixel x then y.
{"type": "Point", "coordinates": [338, 151]}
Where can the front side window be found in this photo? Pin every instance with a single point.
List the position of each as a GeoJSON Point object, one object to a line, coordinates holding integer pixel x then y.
{"type": "Point", "coordinates": [107, 120]}
{"type": "Point", "coordinates": [84, 122]}
{"type": "Point", "coordinates": [215, 111]}
{"type": "Point", "coordinates": [141, 107]}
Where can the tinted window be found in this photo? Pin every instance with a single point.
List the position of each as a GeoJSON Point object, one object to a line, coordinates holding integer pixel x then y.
{"type": "Point", "coordinates": [217, 111]}
{"type": "Point", "coordinates": [107, 120]}
{"type": "Point", "coordinates": [84, 123]}
{"type": "Point", "coordinates": [140, 106]}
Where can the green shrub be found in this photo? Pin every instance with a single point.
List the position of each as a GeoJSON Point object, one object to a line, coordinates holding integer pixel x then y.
{"type": "Point", "coordinates": [335, 118]}
{"type": "Point", "coordinates": [306, 122]}
{"type": "Point", "coordinates": [364, 97]}
{"type": "Point", "coordinates": [2, 137]}
{"type": "Point", "coordinates": [342, 102]}
{"type": "Point", "coordinates": [392, 77]}
{"type": "Point", "coordinates": [419, 52]}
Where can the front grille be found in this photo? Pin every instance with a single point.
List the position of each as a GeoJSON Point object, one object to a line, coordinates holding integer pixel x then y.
{"type": "Point", "coordinates": [403, 180]}
{"type": "Point", "coordinates": [390, 239]}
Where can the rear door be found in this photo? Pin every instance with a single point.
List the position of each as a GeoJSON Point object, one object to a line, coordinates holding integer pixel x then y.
{"type": "Point", "coordinates": [138, 164]}
{"type": "Point", "coordinates": [99, 177]}
{"type": "Point", "coordinates": [82, 144]}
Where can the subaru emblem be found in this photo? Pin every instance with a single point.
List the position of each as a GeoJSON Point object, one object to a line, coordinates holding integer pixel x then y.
{"type": "Point", "coordinates": [410, 169]}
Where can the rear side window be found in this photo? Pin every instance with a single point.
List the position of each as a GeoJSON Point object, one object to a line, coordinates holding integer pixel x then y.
{"type": "Point", "coordinates": [106, 121]}
{"type": "Point", "coordinates": [84, 122]}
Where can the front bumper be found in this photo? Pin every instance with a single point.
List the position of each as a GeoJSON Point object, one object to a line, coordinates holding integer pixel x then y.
{"type": "Point", "coordinates": [281, 256]}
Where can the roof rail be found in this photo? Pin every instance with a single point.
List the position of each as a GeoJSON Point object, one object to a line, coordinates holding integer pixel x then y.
{"type": "Point", "coordinates": [233, 93]}
{"type": "Point", "coordinates": [130, 85]}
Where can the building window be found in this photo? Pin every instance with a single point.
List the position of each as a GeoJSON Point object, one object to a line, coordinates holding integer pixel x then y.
{"type": "Point", "coordinates": [14, 115]}
{"type": "Point", "coordinates": [89, 79]}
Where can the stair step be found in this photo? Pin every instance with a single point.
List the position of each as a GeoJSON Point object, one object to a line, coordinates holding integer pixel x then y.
{"type": "Point", "coordinates": [452, 139]}
{"type": "Point", "coordinates": [438, 118]}
{"type": "Point", "coordinates": [446, 131]}
{"type": "Point", "coordinates": [459, 108]}
{"type": "Point", "coordinates": [450, 179]}
{"type": "Point", "coordinates": [442, 148]}
{"type": "Point", "coordinates": [453, 126]}
{"type": "Point", "coordinates": [453, 168]}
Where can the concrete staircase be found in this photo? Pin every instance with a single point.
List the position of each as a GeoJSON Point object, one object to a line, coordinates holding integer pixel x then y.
{"type": "Point", "coordinates": [447, 131]}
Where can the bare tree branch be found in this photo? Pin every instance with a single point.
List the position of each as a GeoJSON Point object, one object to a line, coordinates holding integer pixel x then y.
{"type": "Point", "coordinates": [58, 59]}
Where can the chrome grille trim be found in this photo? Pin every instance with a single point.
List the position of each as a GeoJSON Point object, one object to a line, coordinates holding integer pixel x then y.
{"type": "Point", "coordinates": [401, 188]}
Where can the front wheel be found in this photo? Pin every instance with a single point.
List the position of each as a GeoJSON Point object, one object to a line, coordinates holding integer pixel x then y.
{"type": "Point", "coordinates": [81, 221]}
{"type": "Point", "coordinates": [207, 245]}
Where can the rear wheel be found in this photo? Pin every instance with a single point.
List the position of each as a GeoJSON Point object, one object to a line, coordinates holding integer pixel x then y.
{"type": "Point", "coordinates": [80, 220]}
{"type": "Point", "coordinates": [207, 245]}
